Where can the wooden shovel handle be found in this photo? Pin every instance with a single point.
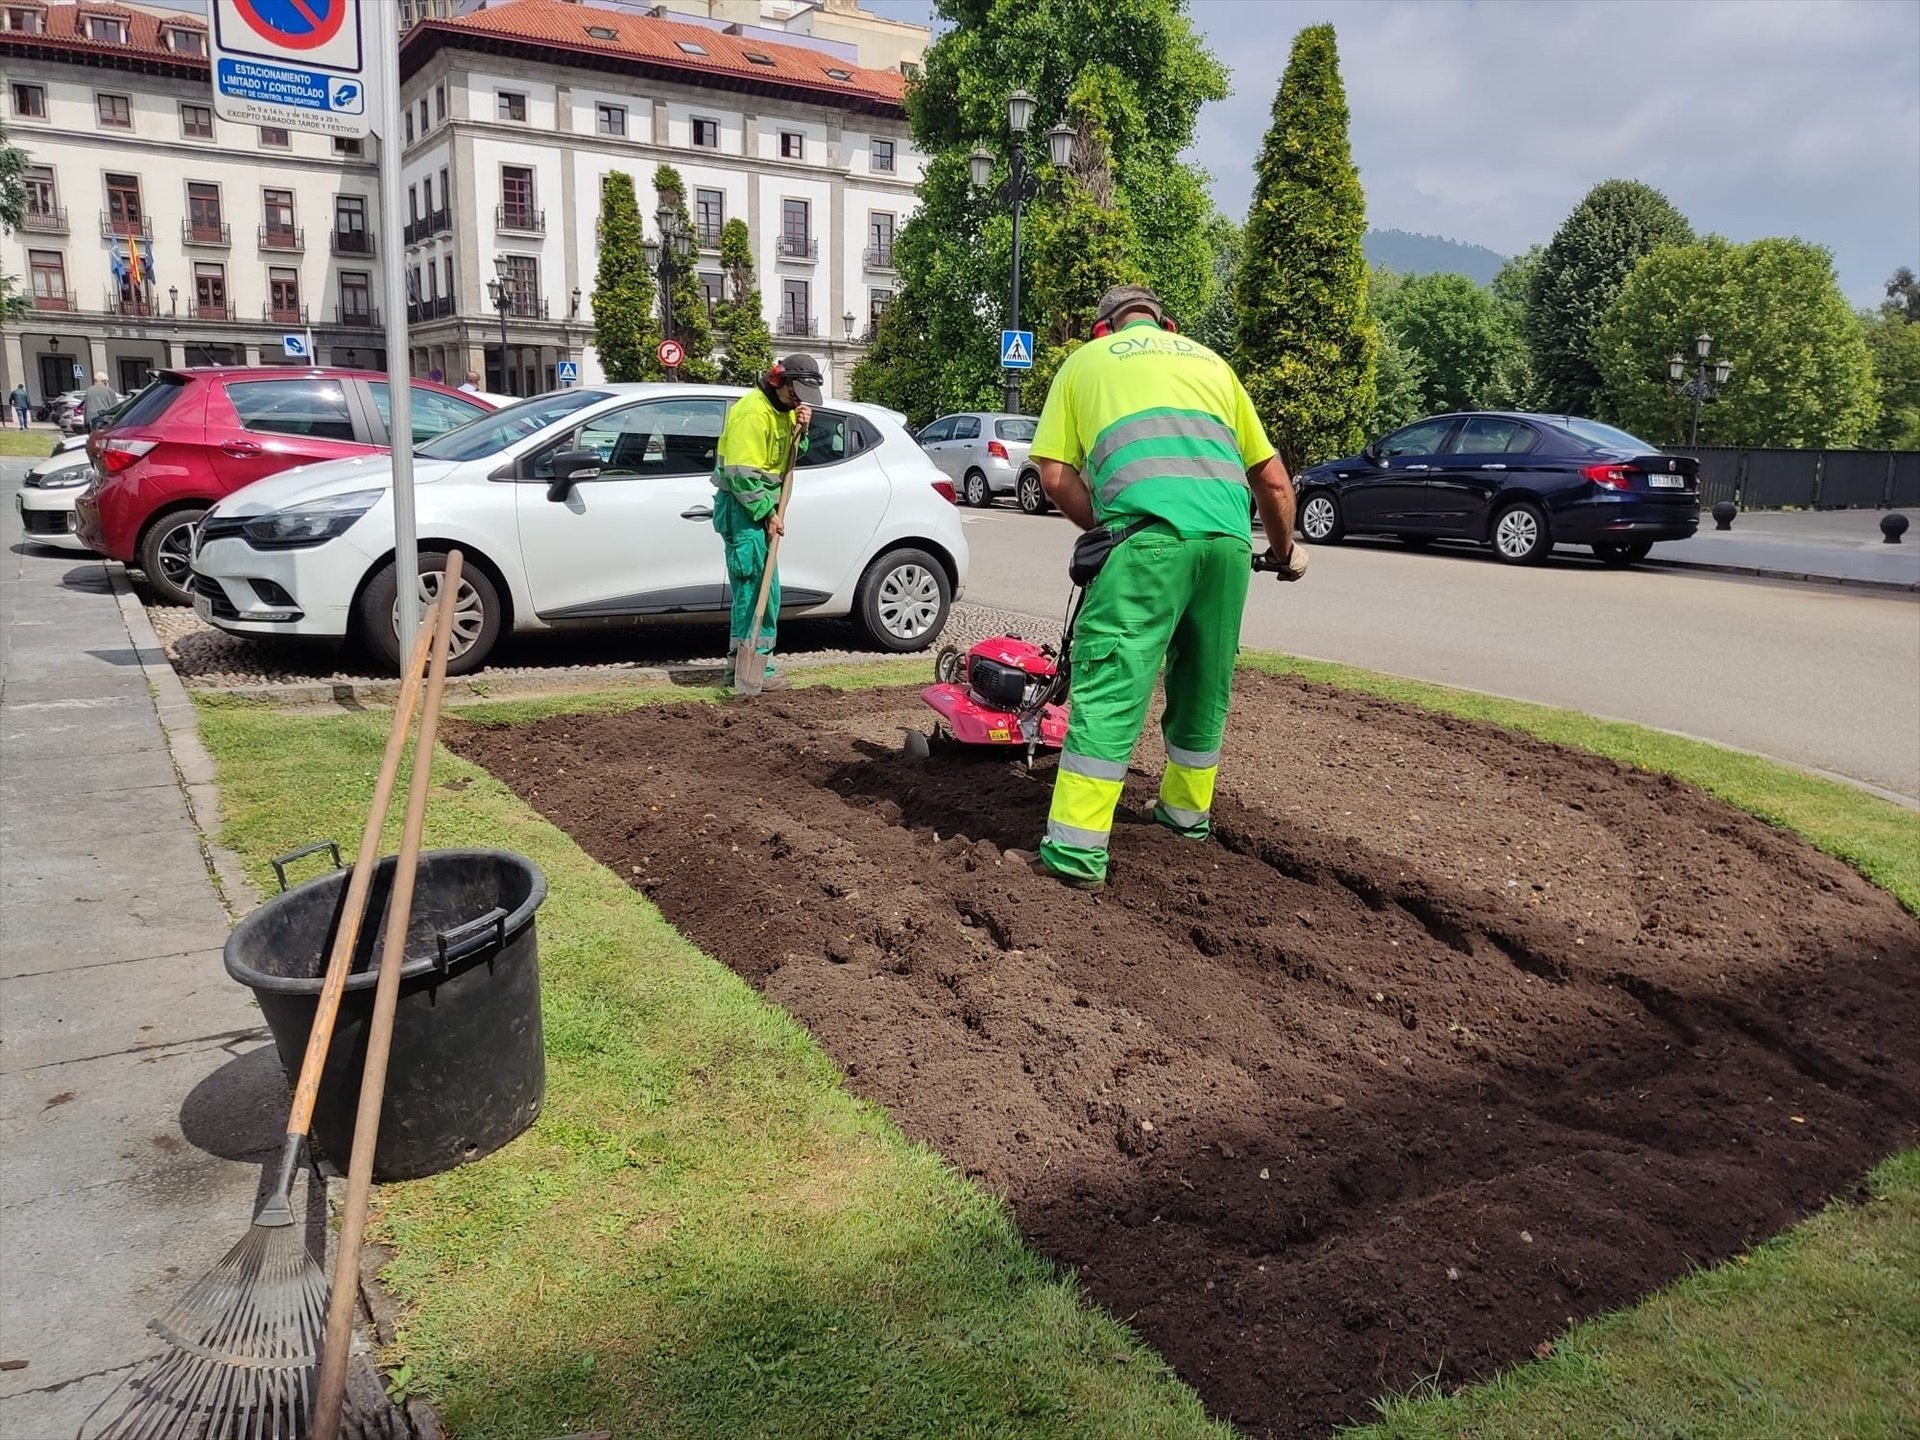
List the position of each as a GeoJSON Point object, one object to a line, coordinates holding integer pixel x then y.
{"type": "Point", "coordinates": [331, 1390]}
{"type": "Point", "coordinates": [359, 880]}
{"type": "Point", "coordinates": [773, 546]}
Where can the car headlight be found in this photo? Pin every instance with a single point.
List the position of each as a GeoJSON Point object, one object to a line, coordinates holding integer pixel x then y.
{"type": "Point", "coordinates": [313, 523]}
{"type": "Point", "coordinates": [71, 478]}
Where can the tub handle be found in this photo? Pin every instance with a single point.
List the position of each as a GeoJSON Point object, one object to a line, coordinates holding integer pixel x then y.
{"type": "Point", "coordinates": [458, 941]}
{"type": "Point", "coordinates": [280, 862]}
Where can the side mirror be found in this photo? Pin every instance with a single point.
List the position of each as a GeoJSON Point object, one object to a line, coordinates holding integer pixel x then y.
{"type": "Point", "coordinates": [569, 468]}
{"type": "Point", "coordinates": [1372, 453]}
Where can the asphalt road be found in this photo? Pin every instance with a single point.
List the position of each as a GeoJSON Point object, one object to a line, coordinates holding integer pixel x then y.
{"type": "Point", "coordinates": [1824, 678]}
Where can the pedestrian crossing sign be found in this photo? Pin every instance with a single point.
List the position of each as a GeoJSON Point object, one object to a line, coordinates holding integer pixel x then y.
{"type": "Point", "coordinates": [567, 372]}
{"type": "Point", "coordinates": [1016, 349]}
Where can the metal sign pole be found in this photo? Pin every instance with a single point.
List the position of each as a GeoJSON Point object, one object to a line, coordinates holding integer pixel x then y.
{"type": "Point", "coordinates": [406, 546]}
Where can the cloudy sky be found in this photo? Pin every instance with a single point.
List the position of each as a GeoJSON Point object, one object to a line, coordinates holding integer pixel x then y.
{"type": "Point", "coordinates": [1486, 120]}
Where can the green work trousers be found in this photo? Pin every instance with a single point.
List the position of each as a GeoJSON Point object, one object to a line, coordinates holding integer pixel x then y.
{"type": "Point", "coordinates": [745, 541]}
{"type": "Point", "coordinates": [1161, 598]}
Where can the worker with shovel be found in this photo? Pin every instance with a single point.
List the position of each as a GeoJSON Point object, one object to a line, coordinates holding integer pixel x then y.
{"type": "Point", "coordinates": [1149, 443]}
{"type": "Point", "coordinates": [766, 431]}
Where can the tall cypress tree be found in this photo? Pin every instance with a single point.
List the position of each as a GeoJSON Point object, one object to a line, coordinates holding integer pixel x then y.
{"type": "Point", "coordinates": [624, 329]}
{"type": "Point", "coordinates": [691, 326]}
{"type": "Point", "coordinates": [1307, 345]}
{"type": "Point", "coordinates": [746, 343]}
{"type": "Point", "coordinates": [1579, 274]}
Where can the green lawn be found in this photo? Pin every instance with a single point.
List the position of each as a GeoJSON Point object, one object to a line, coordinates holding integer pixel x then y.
{"type": "Point", "coordinates": [37, 444]}
{"type": "Point", "coordinates": [706, 1235]}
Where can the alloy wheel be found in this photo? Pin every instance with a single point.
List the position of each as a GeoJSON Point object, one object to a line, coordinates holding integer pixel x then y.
{"type": "Point", "coordinates": [176, 557]}
{"type": "Point", "coordinates": [976, 489]}
{"type": "Point", "coordinates": [909, 601]}
{"type": "Point", "coordinates": [1517, 534]}
{"type": "Point", "coordinates": [1316, 519]}
{"type": "Point", "coordinates": [1032, 498]}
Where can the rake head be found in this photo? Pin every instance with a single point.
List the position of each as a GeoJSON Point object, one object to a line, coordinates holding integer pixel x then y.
{"type": "Point", "coordinates": [243, 1350]}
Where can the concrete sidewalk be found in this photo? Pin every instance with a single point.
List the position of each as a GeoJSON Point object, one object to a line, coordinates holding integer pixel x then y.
{"type": "Point", "coordinates": [1831, 546]}
{"type": "Point", "coordinates": [140, 1097]}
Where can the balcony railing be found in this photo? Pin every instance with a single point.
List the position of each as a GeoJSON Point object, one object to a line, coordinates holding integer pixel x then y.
{"type": "Point", "coordinates": [221, 311]}
{"type": "Point", "coordinates": [291, 238]}
{"type": "Point", "coordinates": [880, 257]}
{"type": "Point", "coordinates": [524, 307]}
{"type": "Point", "coordinates": [283, 314]}
{"type": "Point", "coordinates": [353, 242]}
{"type": "Point", "coordinates": [436, 308]}
{"type": "Point", "coordinates": [523, 219]}
{"type": "Point", "coordinates": [438, 223]}
{"type": "Point", "coordinates": [118, 304]}
{"type": "Point", "coordinates": [50, 221]}
{"type": "Point", "coordinates": [707, 237]}
{"type": "Point", "coordinates": [367, 319]}
{"type": "Point", "coordinates": [56, 304]}
{"type": "Point", "coordinates": [206, 233]}
{"type": "Point", "coordinates": [798, 247]}
{"type": "Point", "coordinates": [112, 226]}
{"type": "Point", "coordinates": [795, 325]}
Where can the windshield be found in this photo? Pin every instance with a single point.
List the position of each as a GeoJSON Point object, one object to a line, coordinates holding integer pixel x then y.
{"type": "Point", "coordinates": [1607, 436]}
{"type": "Point", "coordinates": [1015, 429]}
{"type": "Point", "coordinates": [494, 433]}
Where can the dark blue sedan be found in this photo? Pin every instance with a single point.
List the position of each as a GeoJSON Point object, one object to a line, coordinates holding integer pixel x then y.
{"type": "Point", "coordinates": [1521, 483]}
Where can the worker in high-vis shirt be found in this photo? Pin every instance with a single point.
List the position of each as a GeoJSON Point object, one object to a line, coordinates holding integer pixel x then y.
{"type": "Point", "coordinates": [749, 466]}
{"type": "Point", "coordinates": [1152, 435]}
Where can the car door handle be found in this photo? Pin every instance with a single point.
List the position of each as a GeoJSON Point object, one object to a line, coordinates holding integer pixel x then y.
{"type": "Point", "coordinates": [1416, 467]}
{"type": "Point", "coordinates": [1493, 467]}
{"type": "Point", "coordinates": [240, 449]}
{"type": "Point", "coordinates": [697, 512]}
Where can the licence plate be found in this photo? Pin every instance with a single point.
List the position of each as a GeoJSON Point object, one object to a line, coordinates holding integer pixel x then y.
{"type": "Point", "coordinates": [203, 607]}
{"type": "Point", "coordinates": [1667, 482]}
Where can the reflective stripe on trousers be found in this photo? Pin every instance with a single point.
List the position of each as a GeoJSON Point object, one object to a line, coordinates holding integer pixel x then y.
{"type": "Point", "coordinates": [1085, 793]}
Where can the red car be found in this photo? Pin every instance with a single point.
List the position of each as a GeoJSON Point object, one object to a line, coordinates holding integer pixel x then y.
{"type": "Point", "coordinates": [196, 436]}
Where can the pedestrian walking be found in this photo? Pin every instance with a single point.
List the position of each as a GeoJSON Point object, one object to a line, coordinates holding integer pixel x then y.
{"type": "Point", "coordinates": [22, 403]}
{"type": "Point", "coordinates": [99, 398]}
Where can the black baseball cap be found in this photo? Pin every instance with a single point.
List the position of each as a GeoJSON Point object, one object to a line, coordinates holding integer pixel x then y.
{"type": "Point", "coordinates": [803, 373]}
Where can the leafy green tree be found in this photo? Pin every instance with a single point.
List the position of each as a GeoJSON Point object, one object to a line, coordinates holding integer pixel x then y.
{"type": "Point", "coordinates": [13, 210]}
{"type": "Point", "coordinates": [741, 321]}
{"type": "Point", "coordinates": [1465, 339]}
{"type": "Point", "coordinates": [901, 369]}
{"type": "Point", "coordinates": [1894, 343]}
{"type": "Point", "coordinates": [1400, 387]}
{"type": "Point", "coordinates": [1802, 375]}
{"type": "Point", "coordinates": [688, 301]}
{"type": "Point", "coordinates": [1577, 277]}
{"type": "Point", "coordinates": [1217, 326]}
{"type": "Point", "coordinates": [1903, 295]}
{"type": "Point", "coordinates": [1142, 71]}
{"type": "Point", "coordinates": [1307, 344]}
{"type": "Point", "coordinates": [625, 329]}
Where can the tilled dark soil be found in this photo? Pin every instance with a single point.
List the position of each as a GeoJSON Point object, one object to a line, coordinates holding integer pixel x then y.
{"type": "Point", "coordinates": [1448, 1039]}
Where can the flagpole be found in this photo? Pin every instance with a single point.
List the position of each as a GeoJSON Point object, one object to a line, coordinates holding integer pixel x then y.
{"type": "Point", "coordinates": [406, 548]}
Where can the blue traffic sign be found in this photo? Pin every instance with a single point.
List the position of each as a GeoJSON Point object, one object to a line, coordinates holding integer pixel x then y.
{"type": "Point", "coordinates": [567, 372]}
{"type": "Point", "coordinates": [1016, 349]}
{"type": "Point", "coordinates": [295, 346]}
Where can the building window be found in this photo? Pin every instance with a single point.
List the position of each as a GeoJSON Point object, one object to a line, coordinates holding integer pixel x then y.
{"type": "Point", "coordinates": [350, 225]}
{"type": "Point", "coordinates": [49, 271]}
{"type": "Point", "coordinates": [796, 308]}
{"type": "Point", "coordinates": [512, 106]}
{"type": "Point", "coordinates": [413, 203]}
{"type": "Point", "coordinates": [423, 114]}
{"type": "Point", "coordinates": [428, 185]}
{"type": "Point", "coordinates": [356, 297]}
{"type": "Point", "coordinates": [196, 122]}
{"type": "Point", "coordinates": [516, 198]}
{"type": "Point", "coordinates": [447, 265]}
{"type": "Point", "coordinates": [709, 217]}
{"type": "Point", "coordinates": [755, 57]}
{"type": "Point", "coordinates": [439, 104]}
{"type": "Point", "coordinates": [24, 20]}
{"type": "Point", "coordinates": [210, 291]}
{"type": "Point", "coordinates": [793, 145]}
{"type": "Point", "coordinates": [706, 134]}
{"type": "Point", "coordinates": [610, 119]}
{"type": "Point", "coordinates": [409, 127]}
{"type": "Point", "coordinates": [204, 221]}
{"type": "Point", "coordinates": [186, 42]}
{"type": "Point", "coordinates": [343, 145]}
{"type": "Point", "coordinates": [523, 275]}
{"type": "Point", "coordinates": [883, 157]}
{"type": "Point", "coordinates": [41, 198]}
{"type": "Point", "coordinates": [272, 137]}
{"type": "Point", "coordinates": [603, 32]}
{"type": "Point", "coordinates": [283, 294]}
{"type": "Point", "coordinates": [446, 190]}
{"type": "Point", "coordinates": [277, 211]}
{"type": "Point", "coordinates": [880, 240]}
{"type": "Point", "coordinates": [877, 302]}
{"type": "Point", "coordinates": [692, 47]}
{"type": "Point", "coordinates": [796, 237]}
{"type": "Point", "coordinates": [713, 287]}
{"type": "Point", "coordinates": [107, 28]}
{"type": "Point", "coordinates": [29, 101]}
{"type": "Point", "coordinates": [114, 110]}
{"type": "Point", "coordinates": [125, 215]}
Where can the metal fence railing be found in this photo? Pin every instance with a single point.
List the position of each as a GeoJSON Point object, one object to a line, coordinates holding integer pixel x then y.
{"type": "Point", "coordinates": [1772, 479]}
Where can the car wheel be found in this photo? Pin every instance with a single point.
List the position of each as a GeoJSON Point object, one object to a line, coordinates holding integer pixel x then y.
{"type": "Point", "coordinates": [1032, 496]}
{"type": "Point", "coordinates": [902, 600]}
{"type": "Point", "coordinates": [476, 617]}
{"type": "Point", "coordinates": [974, 490]}
{"type": "Point", "coordinates": [1520, 535]}
{"type": "Point", "coordinates": [1618, 557]}
{"type": "Point", "coordinates": [166, 554]}
{"type": "Point", "coordinates": [1320, 519]}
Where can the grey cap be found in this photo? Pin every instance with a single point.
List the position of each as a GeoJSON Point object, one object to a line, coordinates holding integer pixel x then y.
{"type": "Point", "coordinates": [803, 373]}
{"type": "Point", "coordinates": [1122, 298]}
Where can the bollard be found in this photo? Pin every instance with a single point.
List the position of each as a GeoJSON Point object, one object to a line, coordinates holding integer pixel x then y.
{"type": "Point", "coordinates": [1723, 513]}
{"type": "Point", "coordinates": [1892, 527]}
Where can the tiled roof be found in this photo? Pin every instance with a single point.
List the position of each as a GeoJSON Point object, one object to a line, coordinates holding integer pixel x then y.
{"type": "Point", "coordinates": [66, 30]}
{"type": "Point", "coordinates": [662, 43]}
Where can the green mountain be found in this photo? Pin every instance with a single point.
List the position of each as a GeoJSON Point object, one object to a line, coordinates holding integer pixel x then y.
{"type": "Point", "coordinates": [1431, 254]}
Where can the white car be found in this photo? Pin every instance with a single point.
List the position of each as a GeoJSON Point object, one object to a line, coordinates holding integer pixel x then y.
{"type": "Point", "coordinates": [588, 507]}
{"type": "Point", "coordinates": [45, 497]}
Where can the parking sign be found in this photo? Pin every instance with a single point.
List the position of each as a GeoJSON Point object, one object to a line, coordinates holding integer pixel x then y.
{"type": "Point", "coordinates": [294, 64]}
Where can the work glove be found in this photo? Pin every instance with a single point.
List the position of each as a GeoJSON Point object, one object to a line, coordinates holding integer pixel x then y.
{"type": "Point", "coordinates": [1291, 568]}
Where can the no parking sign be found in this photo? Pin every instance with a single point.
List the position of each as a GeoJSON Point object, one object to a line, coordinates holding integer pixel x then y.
{"type": "Point", "coordinates": [295, 64]}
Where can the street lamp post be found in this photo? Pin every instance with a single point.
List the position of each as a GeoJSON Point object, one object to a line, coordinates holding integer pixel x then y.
{"type": "Point", "coordinates": [500, 291]}
{"type": "Point", "coordinates": [1697, 386]}
{"type": "Point", "coordinates": [668, 258]}
{"type": "Point", "coordinates": [1020, 186]}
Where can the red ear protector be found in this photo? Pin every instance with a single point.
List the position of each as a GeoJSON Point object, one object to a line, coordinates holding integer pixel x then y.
{"type": "Point", "coordinates": [1104, 328]}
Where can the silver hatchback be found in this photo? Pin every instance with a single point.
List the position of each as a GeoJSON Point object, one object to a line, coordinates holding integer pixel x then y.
{"type": "Point", "coordinates": [985, 452]}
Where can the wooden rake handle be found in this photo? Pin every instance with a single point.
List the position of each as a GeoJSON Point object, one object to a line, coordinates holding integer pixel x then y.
{"type": "Point", "coordinates": [331, 1391]}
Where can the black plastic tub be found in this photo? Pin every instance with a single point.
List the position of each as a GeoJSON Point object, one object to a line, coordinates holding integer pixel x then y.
{"type": "Point", "coordinates": [468, 1070]}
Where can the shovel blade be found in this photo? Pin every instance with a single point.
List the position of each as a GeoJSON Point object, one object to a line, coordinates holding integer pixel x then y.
{"type": "Point", "coordinates": [748, 669]}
